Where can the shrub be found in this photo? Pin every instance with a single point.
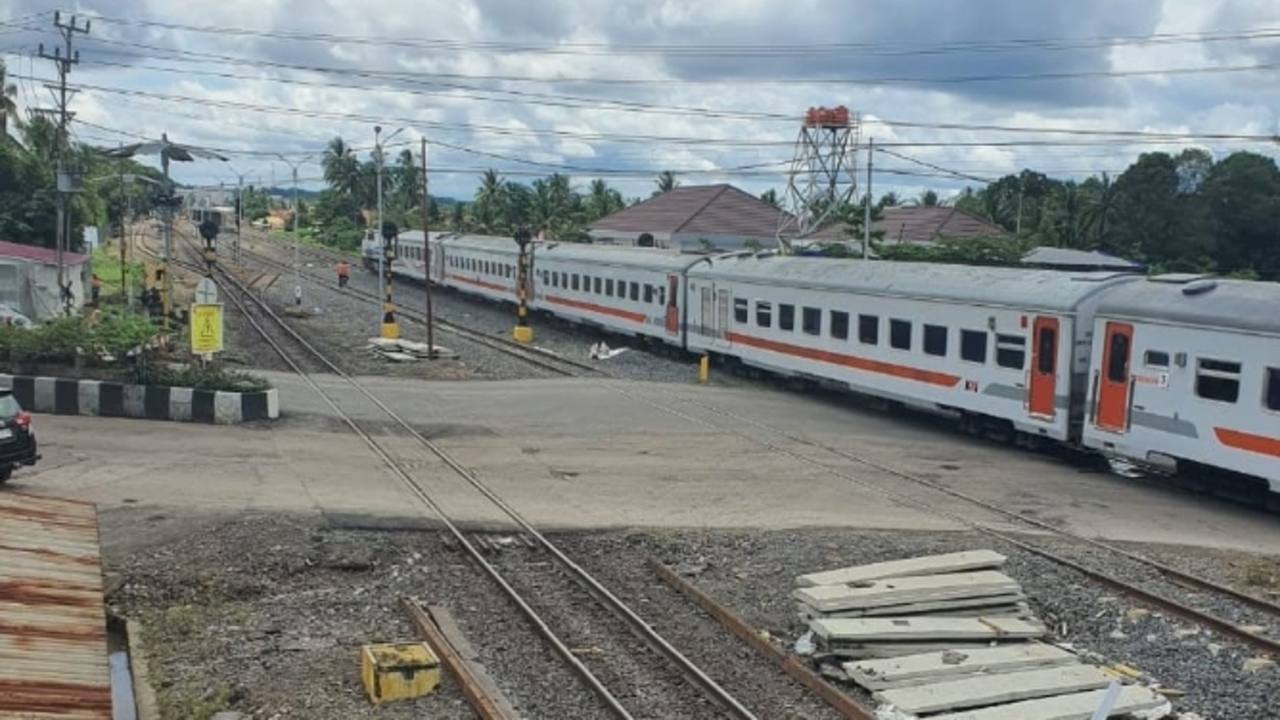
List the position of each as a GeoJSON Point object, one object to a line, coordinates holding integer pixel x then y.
{"type": "Point", "coordinates": [212, 377]}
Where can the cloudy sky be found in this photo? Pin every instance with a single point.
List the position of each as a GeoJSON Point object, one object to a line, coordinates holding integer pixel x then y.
{"type": "Point", "coordinates": [711, 90]}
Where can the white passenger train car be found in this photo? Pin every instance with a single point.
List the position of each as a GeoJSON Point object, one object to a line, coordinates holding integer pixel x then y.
{"type": "Point", "coordinates": [1186, 372]}
{"type": "Point", "coordinates": [636, 292]}
{"type": "Point", "coordinates": [481, 265]}
{"type": "Point", "coordinates": [1006, 348]}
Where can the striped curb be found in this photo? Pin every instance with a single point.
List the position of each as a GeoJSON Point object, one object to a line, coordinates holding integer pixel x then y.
{"type": "Point", "coordinates": [66, 396]}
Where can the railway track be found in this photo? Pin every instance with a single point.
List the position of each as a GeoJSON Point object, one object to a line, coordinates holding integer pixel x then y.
{"type": "Point", "coordinates": [586, 611]}
{"type": "Point", "coordinates": [1245, 617]}
{"type": "Point", "coordinates": [535, 356]}
{"type": "Point", "coordinates": [1255, 620]}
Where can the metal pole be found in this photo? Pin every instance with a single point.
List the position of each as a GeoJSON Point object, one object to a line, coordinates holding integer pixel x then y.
{"type": "Point", "coordinates": [426, 253]}
{"type": "Point", "coordinates": [297, 269]}
{"type": "Point", "coordinates": [167, 290]}
{"type": "Point", "coordinates": [377, 234]}
{"type": "Point", "coordinates": [239, 213]}
{"type": "Point", "coordinates": [866, 222]}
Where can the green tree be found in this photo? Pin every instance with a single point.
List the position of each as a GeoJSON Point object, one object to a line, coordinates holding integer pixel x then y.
{"type": "Point", "coordinates": [771, 196]}
{"type": "Point", "coordinates": [666, 182]}
{"type": "Point", "coordinates": [890, 199]}
{"type": "Point", "coordinates": [342, 173]}
{"type": "Point", "coordinates": [488, 207]}
{"type": "Point", "coordinates": [1099, 210]}
{"type": "Point", "coordinates": [8, 104]}
{"type": "Point", "coordinates": [1242, 193]}
{"type": "Point", "coordinates": [929, 198]}
{"type": "Point", "coordinates": [1158, 222]}
{"type": "Point", "coordinates": [602, 200]}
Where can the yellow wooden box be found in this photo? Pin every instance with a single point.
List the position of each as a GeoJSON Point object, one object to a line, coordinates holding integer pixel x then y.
{"type": "Point", "coordinates": [398, 671]}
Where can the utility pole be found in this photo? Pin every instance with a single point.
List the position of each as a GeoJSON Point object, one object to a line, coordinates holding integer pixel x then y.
{"type": "Point", "coordinates": [866, 222]}
{"type": "Point", "coordinates": [297, 268]}
{"type": "Point", "coordinates": [239, 213]}
{"type": "Point", "coordinates": [125, 204]}
{"type": "Point", "coordinates": [64, 184]}
{"type": "Point", "coordinates": [377, 235]}
{"type": "Point", "coordinates": [426, 253]}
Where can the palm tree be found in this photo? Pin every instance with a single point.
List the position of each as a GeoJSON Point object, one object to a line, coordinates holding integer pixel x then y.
{"type": "Point", "coordinates": [770, 196]}
{"type": "Point", "coordinates": [458, 219]}
{"type": "Point", "coordinates": [8, 106]}
{"type": "Point", "coordinates": [489, 200]}
{"type": "Point", "coordinates": [1099, 212]}
{"type": "Point", "coordinates": [602, 200]}
{"type": "Point", "coordinates": [341, 169]}
{"type": "Point", "coordinates": [666, 182]}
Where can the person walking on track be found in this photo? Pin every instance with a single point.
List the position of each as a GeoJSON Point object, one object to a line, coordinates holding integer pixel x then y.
{"type": "Point", "coordinates": [344, 273]}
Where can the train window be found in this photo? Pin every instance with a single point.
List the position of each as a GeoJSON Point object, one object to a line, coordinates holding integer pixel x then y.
{"type": "Point", "coordinates": [1046, 353]}
{"type": "Point", "coordinates": [1156, 358]}
{"type": "Point", "coordinates": [869, 329]}
{"type": "Point", "coordinates": [1011, 351]}
{"type": "Point", "coordinates": [648, 292]}
{"type": "Point", "coordinates": [839, 325]}
{"type": "Point", "coordinates": [786, 317]}
{"type": "Point", "coordinates": [764, 314]}
{"type": "Point", "coordinates": [596, 285]}
{"type": "Point", "coordinates": [1118, 367]}
{"type": "Point", "coordinates": [935, 340]}
{"type": "Point", "coordinates": [1218, 380]}
{"type": "Point", "coordinates": [973, 346]}
{"type": "Point", "coordinates": [1271, 394]}
{"type": "Point", "coordinates": [811, 320]}
{"type": "Point", "coordinates": [900, 334]}
{"type": "Point", "coordinates": [740, 311]}
{"type": "Point", "coordinates": [622, 289]}
{"type": "Point", "coordinates": [635, 292]}
{"type": "Point", "coordinates": [608, 287]}
{"type": "Point", "coordinates": [662, 296]}
{"type": "Point", "coordinates": [574, 281]}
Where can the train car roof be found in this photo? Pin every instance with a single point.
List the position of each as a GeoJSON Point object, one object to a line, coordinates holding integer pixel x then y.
{"type": "Point", "coordinates": [1198, 300]}
{"type": "Point", "coordinates": [657, 259]}
{"type": "Point", "coordinates": [1026, 288]}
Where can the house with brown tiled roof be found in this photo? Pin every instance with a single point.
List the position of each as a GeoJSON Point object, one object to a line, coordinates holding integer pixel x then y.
{"type": "Point", "coordinates": [927, 224]}
{"type": "Point", "coordinates": [692, 217]}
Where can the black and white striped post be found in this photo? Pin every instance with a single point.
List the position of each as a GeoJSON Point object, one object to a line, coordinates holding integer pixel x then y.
{"type": "Point", "coordinates": [522, 332]}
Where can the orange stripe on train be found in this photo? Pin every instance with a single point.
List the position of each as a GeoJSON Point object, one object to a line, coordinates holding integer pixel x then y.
{"type": "Point", "coordinates": [480, 283]}
{"type": "Point", "coordinates": [905, 372]}
{"type": "Point", "coordinates": [634, 317]}
{"type": "Point", "coordinates": [1260, 444]}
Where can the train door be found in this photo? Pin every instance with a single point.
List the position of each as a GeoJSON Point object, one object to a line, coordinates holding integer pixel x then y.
{"type": "Point", "coordinates": [673, 305]}
{"type": "Point", "coordinates": [1044, 367]}
{"type": "Point", "coordinates": [1113, 381]}
{"type": "Point", "coordinates": [707, 324]}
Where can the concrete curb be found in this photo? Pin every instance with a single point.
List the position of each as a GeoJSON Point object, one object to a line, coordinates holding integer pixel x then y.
{"type": "Point", "coordinates": [65, 396]}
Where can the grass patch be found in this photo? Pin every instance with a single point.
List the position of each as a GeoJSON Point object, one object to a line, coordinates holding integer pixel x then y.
{"type": "Point", "coordinates": [106, 265]}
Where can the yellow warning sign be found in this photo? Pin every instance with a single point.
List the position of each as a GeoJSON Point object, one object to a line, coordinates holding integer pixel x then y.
{"type": "Point", "coordinates": [206, 329]}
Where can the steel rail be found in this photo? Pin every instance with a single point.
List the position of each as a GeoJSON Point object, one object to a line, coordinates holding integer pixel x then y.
{"type": "Point", "coordinates": [637, 624]}
{"type": "Point", "coordinates": [532, 355]}
{"type": "Point", "coordinates": [1199, 616]}
{"type": "Point", "coordinates": [581, 670]}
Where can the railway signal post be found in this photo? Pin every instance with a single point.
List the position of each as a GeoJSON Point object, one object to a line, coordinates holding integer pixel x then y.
{"type": "Point", "coordinates": [522, 332]}
{"type": "Point", "coordinates": [390, 327]}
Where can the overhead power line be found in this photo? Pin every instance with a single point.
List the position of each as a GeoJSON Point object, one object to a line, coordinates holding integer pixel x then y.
{"type": "Point", "coordinates": [722, 49]}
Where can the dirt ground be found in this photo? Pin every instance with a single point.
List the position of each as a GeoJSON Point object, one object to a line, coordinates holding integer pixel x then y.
{"type": "Point", "coordinates": [264, 613]}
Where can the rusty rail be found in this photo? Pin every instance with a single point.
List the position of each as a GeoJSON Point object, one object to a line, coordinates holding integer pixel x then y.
{"type": "Point", "coordinates": [794, 668]}
{"type": "Point", "coordinates": [485, 706]}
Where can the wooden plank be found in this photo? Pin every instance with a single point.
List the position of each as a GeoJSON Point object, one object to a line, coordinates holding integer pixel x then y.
{"type": "Point", "coordinates": [1076, 706]}
{"type": "Point", "coordinates": [929, 667]}
{"type": "Point", "coordinates": [910, 567]}
{"type": "Point", "coordinates": [477, 696]}
{"type": "Point", "coordinates": [934, 629]}
{"type": "Point", "coordinates": [870, 651]}
{"type": "Point", "coordinates": [455, 637]}
{"type": "Point", "coordinates": [900, 591]}
{"type": "Point", "coordinates": [1001, 603]}
{"type": "Point", "coordinates": [983, 690]}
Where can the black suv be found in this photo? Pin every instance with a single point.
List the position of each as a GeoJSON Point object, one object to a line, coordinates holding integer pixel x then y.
{"type": "Point", "coordinates": [17, 437]}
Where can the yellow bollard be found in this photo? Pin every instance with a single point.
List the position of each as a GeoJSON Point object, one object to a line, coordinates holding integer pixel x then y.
{"type": "Point", "coordinates": [704, 369]}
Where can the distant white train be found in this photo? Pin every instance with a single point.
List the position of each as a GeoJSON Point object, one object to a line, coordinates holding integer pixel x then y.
{"type": "Point", "coordinates": [1185, 373]}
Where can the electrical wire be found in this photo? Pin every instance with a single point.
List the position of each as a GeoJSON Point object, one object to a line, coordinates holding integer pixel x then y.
{"type": "Point", "coordinates": [716, 50]}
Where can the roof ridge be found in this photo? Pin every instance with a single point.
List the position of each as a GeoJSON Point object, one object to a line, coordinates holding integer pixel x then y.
{"type": "Point", "coordinates": [705, 205]}
{"type": "Point", "coordinates": [699, 212]}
